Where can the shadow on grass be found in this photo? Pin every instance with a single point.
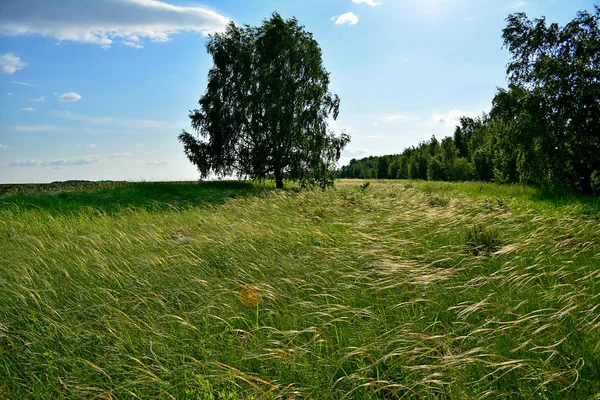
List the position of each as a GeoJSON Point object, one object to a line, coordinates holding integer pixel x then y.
{"type": "Point", "coordinates": [115, 197]}
{"type": "Point", "coordinates": [543, 198]}
{"type": "Point", "coordinates": [557, 198]}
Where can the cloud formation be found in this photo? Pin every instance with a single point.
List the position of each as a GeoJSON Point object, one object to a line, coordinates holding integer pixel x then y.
{"type": "Point", "coordinates": [28, 109]}
{"type": "Point", "coordinates": [9, 63]}
{"type": "Point", "coordinates": [38, 128]}
{"type": "Point", "coordinates": [452, 118]}
{"type": "Point", "coordinates": [397, 117]}
{"type": "Point", "coordinates": [372, 3]}
{"type": "Point", "coordinates": [70, 96]}
{"type": "Point", "coordinates": [348, 18]}
{"type": "Point", "coordinates": [24, 83]}
{"type": "Point", "coordinates": [159, 163]}
{"type": "Point", "coordinates": [9, 94]}
{"type": "Point", "coordinates": [68, 162]}
{"type": "Point", "coordinates": [122, 123]}
{"type": "Point", "coordinates": [3, 146]}
{"type": "Point", "coordinates": [104, 23]}
{"type": "Point", "coordinates": [355, 152]}
{"type": "Point", "coordinates": [40, 99]}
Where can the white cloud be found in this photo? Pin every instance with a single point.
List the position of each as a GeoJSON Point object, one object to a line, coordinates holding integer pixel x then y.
{"type": "Point", "coordinates": [28, 109]}
{"type": "Point", "coordinates": [40, 99]}
{"type": "Point", "coordinates": [518, 5]}
{"type": "Point", "coordinates": [3, 146]}
{"type": "Point", "coordinates": [355, 152]}
{"type": "Point", "coordinates": [70, 96]}
{"type": "Point", "coordinates": [68, 162]}
{"type": "Point", "coordinates": [135, 45]}
{"type": "Point", "coordinates": [398, 117]}
{"type": "Point", "coordinates": [472, 19]}
{"type": "Point", "coordinates": [133, 124]}
{"type": "Point", "coordinates": [24, 83]}
{"type": "Point", "coordinates": [105, 22]}
{"type": "Point", "coordinates": [157, 163]}
{"type": "Point", "coordinates": [375, 123]}
{"type": "Point", "coordinates": [9, 63]}
{"type": "Point", "coordinates": [9, 94]}
{"type": "Point", "coordinates": [37, 128]}
{"type": "Point", "coordinates": [90, 146]}
{"type": "Point", "coordinates": [372, 3]}
{"type": "Point", "coordinates": [349, 18]}
{"type": "Point", "coordinates": [452, 118]}
{"type": "Point", "coordinates": [140, 145]}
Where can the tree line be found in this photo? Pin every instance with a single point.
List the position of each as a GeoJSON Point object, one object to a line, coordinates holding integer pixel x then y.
{"type": "Point", "coordinates": [544, 129]}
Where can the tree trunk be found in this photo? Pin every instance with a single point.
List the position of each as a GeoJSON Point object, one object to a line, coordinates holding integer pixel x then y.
{"type": "Point", "coordinates": [278, 180]}
{"type": "Point", "coordinates": [586, 183]}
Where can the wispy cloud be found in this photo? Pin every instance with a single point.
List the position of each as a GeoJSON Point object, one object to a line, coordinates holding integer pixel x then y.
{"type": "Point", "coordinates": [28, 109]}
{"type": "Point", "coordinates": [397, 117]}
{"type": "Point", "coordinates": [355, 152]}
{"type": "Point", "coordinates": [518, 5]}
{"type": "Point", "coordinates": [103, 23]}
{"type": "Point", "coordinates": [90, 146]}
{"type": "Point", "coordinates": [40, 99]}
{"type": "Point", "coordinates": [3, 146]}
{"type": "Point", "coordinates": [348, 18]}
{"type": "Point", "coordinates": [24, 83]}
{"type": "Point", "coordinates": [9, 63]}
{"type": "Point", "coordinates": [157, 163]}
{"type": "Point", "coordinates": [372, 3]}
{"type": "Point", "coordinates": [472, 19]}
{"type": "Point", "coordinates": [133, 124]}
{"type": "Point", "coordinates": [68, 162]}
{"type": "Point", "coordinates": [70, 97]}
{"type": "Point", "coordinates": [38, 128]}
{"type": "Point", "coordinates": [9, 94]}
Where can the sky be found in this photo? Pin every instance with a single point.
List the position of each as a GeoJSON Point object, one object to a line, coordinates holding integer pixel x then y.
{"type": "Point", "coordinates": [100, 89]}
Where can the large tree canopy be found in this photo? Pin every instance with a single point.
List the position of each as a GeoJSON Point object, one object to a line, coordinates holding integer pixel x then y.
{"type": "Point", "coordinates": [556, 71]}
{"type": "Point", "coordinates": [266, 108]}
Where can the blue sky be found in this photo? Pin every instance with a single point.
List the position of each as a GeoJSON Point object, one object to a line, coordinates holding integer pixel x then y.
{"type": "Point", "coordinates": [100, 89]}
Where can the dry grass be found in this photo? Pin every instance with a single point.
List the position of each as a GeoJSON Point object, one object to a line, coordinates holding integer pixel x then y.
{"type": "Point", "coordinates": [353, 292]}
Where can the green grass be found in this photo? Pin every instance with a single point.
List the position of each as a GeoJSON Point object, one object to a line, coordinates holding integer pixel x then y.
{"type": "Point", "coordinates": [367, 291]}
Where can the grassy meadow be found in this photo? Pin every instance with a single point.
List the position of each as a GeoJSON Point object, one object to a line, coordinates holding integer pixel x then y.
{"type": "Point", "coordinates": [233, 290]}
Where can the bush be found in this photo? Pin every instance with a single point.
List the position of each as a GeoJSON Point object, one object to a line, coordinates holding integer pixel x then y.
{"type": "Point", "coordinates": [438, 201]}
{"type": "Point", "coordinates": [596, 181]}
{"type": "Point", "coordinates": [481, 240]}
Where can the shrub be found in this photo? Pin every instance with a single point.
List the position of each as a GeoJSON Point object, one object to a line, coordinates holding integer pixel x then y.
{"type": "Point", "coordinates": [438, 201]}
{"type": "Point", "coordinates": [481, 240]}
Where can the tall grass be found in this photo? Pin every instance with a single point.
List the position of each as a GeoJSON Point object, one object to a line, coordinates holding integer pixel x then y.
{"type": "Point", "coordinates": [347, 293]}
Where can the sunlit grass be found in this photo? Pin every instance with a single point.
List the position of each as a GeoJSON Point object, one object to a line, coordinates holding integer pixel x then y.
{"type": "Point", "coordinates": [362, 291]}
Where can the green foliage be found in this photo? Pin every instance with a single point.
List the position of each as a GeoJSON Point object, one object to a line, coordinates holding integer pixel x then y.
{"type": "Point", "coordinates": [544, 129]}
{"type": "Point", "coordinates": [266, 107]}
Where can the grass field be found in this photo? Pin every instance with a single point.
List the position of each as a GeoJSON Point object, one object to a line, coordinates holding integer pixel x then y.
{"type": "Point", "coordinates": [238, 291]}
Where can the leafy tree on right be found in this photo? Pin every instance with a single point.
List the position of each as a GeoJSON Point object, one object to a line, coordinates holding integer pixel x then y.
{"type": "Point", "coordinates": [556, 73]}
{"type": "Point", "coordinates": [544, 129]}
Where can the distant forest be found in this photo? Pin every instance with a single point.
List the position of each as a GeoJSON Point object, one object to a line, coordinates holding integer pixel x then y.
{"type": "Point", "coordinates": [544, 129]}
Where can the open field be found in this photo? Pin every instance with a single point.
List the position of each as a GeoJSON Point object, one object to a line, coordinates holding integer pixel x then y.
{"type": "Point", "coordinates": [230, 290]}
